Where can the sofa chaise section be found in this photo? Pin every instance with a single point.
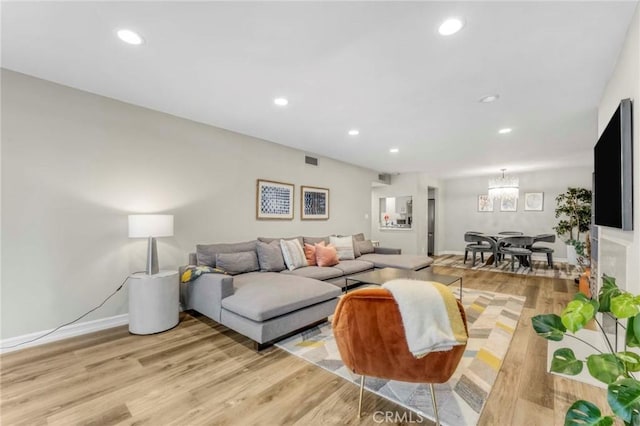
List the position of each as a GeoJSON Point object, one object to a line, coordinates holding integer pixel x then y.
{"type": "Point", "coordinates": [267, 306]}
{"type": "Point", "coordinates": [263, 306]}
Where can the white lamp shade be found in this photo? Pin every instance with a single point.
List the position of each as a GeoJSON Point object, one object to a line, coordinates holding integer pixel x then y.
{"type": "Point", "coordinates": [150, 225]}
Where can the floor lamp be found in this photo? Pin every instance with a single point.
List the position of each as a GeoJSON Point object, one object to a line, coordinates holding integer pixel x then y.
{"type": "Point", "coordinates": [151, 226]}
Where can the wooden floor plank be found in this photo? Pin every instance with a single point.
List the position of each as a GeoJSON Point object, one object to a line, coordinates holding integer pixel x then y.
{"type": "Point", "coordinates": [203, 373]}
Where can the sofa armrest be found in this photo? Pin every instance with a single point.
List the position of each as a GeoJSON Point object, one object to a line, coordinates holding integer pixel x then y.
{"type": "Point", "coordinates": [206, 292]}
{"type": "Point", "coordinates": [387, 250]}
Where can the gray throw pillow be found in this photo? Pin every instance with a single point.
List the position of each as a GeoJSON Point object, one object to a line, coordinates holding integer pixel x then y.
{"type": "Point", "coordinates": [270, 256]}
{"type": "Point", "coordinates": [358, 237]}
{"type": "Point", "coordinates": [365, 246]}
{"type": "Point", "coordinates": [237, 263]}
{"type": "Point", "coordinates": [206, 253]}
{"type": "Point", "coordinates": [356, 248]}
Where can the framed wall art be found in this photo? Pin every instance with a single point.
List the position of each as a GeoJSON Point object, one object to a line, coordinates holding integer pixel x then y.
{"type": "Point", "coordinates": [534, 201]}
{"type": "Point", "coordinates": [314, 203]}
{"type": "Point", "coordinates": [485, 203]}
{"type": "Point", "coordinates": [508, 203]}
{"type": "Point", "coordinates": [274, 200]}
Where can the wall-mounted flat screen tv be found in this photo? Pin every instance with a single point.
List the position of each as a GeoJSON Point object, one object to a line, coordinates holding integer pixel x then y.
{"type": "Point", "coordinates": [613, 171]}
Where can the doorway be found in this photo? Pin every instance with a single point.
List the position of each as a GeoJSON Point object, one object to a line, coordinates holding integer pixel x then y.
{"type": "Point", "coordinates": [431, 221]}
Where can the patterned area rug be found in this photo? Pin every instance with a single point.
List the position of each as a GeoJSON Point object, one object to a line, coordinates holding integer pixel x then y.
{"type": "Point", "coordinates": [492, 319]}
{"type": "Point", "coordinates": [540, 269]}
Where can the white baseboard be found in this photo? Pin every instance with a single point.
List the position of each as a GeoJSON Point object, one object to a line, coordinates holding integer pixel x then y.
{"type": "Point", "coordinates": [64, 333]}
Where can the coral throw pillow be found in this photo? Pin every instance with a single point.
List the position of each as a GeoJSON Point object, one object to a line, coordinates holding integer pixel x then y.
{"type": "Point", "coordinates": [310, 252]}
{"type": "Point", "coordinates": [326, 256]}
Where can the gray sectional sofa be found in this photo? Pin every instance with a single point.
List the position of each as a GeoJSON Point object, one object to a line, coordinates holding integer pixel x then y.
{"type": "Point", "coordinates": [265, 302]}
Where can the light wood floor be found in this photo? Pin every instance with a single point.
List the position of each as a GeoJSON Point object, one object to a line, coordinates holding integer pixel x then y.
{"type": "Point", "coordinates": [203, 373]}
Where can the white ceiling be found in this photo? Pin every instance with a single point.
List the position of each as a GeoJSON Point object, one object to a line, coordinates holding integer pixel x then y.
{"type": "Point", "coordinates": [380, 67]}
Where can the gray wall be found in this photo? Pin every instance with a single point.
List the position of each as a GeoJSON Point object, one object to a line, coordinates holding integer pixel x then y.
{"type": "Point", "coordinates": [461, 206]}
{"type": "Point", "coordinates": [74, 165]}
{"type": "Point", "coordinates": [625, 83]}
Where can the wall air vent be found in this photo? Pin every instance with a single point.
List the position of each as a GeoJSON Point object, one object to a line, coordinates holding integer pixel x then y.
{"type": "Point", "coordinates": [311, 160]}
{"type": "Point", "coordinates": [385, 178]}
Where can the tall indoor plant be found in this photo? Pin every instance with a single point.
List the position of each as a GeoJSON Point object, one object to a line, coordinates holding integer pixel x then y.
{"type": "Point", "coordinates": [615, 368]}
{"type": "Point", "coordinates": [574, 209]}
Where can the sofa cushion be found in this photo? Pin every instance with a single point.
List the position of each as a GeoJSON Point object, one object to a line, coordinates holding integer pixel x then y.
{"type": "Point", "coordinates": [270, 256]}
{"type": "Point", "coordinates": [237, 263]}
{"type": "Point", "coordinates": [316, 272]}
{"type": "Point", "coordinates": [268, 239]}
{"type": "Point", "coordinates": [260, 296]}
{"type": "Point", "coordinates": [316, 240]}
{"type": "Point", "coordinates": [326, 256]}
{"type": "Point", "coordinates": [358, 237]}
{"type": "Point", "coordinates": [293, 254]}
{"type": "Point", "coordinates": [206, 253]}
{"type": "Point", "coordinates": [353, 266]}
{"type": "Point", "coordinates": [365, 247]}
{"type": "Point", "coordinates": [344, 247]}
{"type": "Point", "coordinates": [401, 261]}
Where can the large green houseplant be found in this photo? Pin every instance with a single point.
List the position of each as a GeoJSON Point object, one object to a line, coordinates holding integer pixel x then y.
{"type": "Point", "coordinates": [615, 368]}
{"type": "Point", "coordinates": [574, 209]}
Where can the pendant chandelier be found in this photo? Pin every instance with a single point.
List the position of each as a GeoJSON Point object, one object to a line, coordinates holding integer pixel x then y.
{"type": "Point", "coordinates": [503, 187]}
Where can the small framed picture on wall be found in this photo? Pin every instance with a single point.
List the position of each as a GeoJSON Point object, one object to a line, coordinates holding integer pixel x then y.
{"type": "Point", "coordinates": [314, 203]}
{"type": "Point", "coordinates": [534, 201]}
{"type": "Point", "coordinates": [508, 203]}
{"type": "Point", "coordinates": [274, 200]}
{"type": "Point", "coordinates": [485, 203]}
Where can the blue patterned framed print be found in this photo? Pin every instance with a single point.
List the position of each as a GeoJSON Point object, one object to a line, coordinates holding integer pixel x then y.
{"type": "Point", "coordinates": [274, 200]}
{"type": "Point", "coordinates": [314, 204]}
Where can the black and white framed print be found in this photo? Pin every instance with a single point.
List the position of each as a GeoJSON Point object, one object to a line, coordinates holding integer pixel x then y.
{"type": "Point", "coordinates": [274, 200]}
{"type": "Point", "coordinates": [314, 203]}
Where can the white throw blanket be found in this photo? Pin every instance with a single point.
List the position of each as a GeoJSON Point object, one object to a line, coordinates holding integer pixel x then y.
{"type": "Point", "coordinates": [430, 315]}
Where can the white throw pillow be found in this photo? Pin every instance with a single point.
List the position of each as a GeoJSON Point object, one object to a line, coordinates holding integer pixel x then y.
{"type": "Point", "coordinates": [293, 254]}
{"type": "Point", "coordinates": [344, 247]}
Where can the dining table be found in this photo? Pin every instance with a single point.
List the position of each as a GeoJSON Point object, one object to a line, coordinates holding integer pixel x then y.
{"type": "Point", "coordinates": [497, 237]}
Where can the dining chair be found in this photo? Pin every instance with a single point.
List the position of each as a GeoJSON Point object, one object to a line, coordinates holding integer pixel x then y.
{"type": "Point", "coordinates": [544, 238]}
{"type": "Point", "coordinates": [479, 244]}
{"type": "Point", "coordinates": [517, 247]}
{"type": "Point", "coordinates": [370, 336]}
{"type": "Point", "coordinates": [510, 233]}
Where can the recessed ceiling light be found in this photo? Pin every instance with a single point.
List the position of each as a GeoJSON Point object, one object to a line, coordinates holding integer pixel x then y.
{"type": "Point", "coordinates": [354, 132]}
{"type": "Point", "coordinates": [394, 150]}
{"type": "Point", "coordinates": [281, 101]}
{"type": "Point", "coordinates": [130, 37]}
{"type": "Point", "coordinates": [451, 26]}
{"type": "Point", "coordinates": [489, 98]}
{"type": "Point", "coordinates": [504, 131]}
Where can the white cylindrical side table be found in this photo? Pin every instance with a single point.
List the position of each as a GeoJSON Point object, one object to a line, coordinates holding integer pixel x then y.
{"type": "Point", "coordinates": [154, 302]}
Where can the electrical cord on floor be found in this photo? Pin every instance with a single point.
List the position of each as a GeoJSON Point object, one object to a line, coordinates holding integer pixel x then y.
{"type": "Point", "coordinates": [75, 320]}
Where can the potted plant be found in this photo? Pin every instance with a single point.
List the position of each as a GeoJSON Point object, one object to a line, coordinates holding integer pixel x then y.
{"type": "Point", "coordinates": [574, 206]}
{"type": "Point", "coordinates": [614, 368]}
